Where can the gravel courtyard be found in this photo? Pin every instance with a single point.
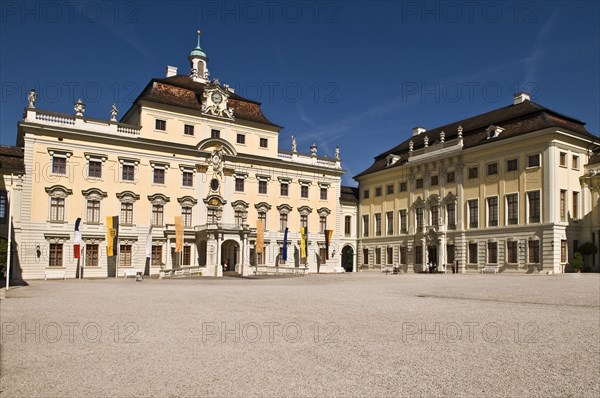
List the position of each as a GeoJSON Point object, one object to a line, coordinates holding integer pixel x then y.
{"type": "Point", "coordinates": [351, 335]}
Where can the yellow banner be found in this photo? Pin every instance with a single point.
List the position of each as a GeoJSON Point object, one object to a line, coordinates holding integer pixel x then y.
{"type": "Point", "coordinates": [302, 243]}
{"type": "Point", "coordinates": [110, 236]}
{"type": "Point", "coordinates": [260, 236]}
{"type": "Point", "coordinates": [178, 234]}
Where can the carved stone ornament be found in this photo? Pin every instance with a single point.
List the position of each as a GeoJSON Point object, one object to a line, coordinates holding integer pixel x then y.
{"type": "Point", "coordinates": [32, 97]}
{"type": "Point", "coordinates": [214, 102]}
{"type": "Point", "coordinates": [79, 107]}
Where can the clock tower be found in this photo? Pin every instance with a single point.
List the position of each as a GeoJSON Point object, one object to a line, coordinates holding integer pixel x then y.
{"type": "Point", "coordinates": [198, 64]}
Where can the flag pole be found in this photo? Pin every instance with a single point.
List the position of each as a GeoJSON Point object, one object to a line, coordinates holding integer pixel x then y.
{"type": "Point", "coordinates": [10, 221]}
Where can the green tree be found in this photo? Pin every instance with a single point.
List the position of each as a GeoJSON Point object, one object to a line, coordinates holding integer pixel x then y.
{"type": "Point", "coordinates": [588, 249]}
{"type": "Point", "coordinates": [577, 262]}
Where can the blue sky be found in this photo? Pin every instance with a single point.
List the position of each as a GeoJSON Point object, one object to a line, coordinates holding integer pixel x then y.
{"type": "Point", "coordinates": [356, 74]}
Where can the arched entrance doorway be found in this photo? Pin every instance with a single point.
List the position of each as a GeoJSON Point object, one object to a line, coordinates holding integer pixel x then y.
{"type": "Point", "coordinates": [230, 255]}
{"type": "Point", "coordinates": [348, 258]}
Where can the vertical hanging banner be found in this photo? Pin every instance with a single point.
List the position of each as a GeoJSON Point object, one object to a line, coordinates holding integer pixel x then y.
{"type": "Point", "coordinates": [77, 240]}
{"type": "Point", "coordinates": [303, 232]}
{"type": "Point", "coordinates": [328, 234]}
{"type": "Point", "coordinates": [260, 236]}
{"type": "Point", "coordinates": [178, 234]}
{"type": "Point", "coordinates": [149, 243]}
{"type": "Point", "coordinates": [284, 251]}
{"type": "Point", "coordinates": [112, 235]}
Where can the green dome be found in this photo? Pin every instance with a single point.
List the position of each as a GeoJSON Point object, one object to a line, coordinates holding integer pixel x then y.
{"type": "Point", "coordinates": [197, 52]}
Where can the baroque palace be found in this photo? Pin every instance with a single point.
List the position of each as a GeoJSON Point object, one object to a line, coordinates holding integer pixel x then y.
{"type": "Point", "coordinates": [192, 177]}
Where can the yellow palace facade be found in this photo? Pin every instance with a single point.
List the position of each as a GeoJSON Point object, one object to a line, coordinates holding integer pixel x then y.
{"type": "Point", "coordinates": [188, 147]}
{"type": "Point", "coordinates": [499, 191]}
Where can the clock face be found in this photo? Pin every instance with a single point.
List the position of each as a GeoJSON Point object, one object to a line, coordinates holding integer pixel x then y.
{"type": "Point", "coordinates": [217, 98]}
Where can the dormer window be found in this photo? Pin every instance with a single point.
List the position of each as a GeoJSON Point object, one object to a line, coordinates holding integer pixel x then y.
{"type": "Point", "coordinates": [493, 131]}
{"type": "Point", "coordinates": [392, 159]}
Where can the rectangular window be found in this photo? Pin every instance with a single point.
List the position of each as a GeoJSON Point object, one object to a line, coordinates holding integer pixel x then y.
{"type": "Point", "coordinates": [492, 169]}
{"type": "Point", "coordinates": [576, 205]}
{"type": "Point", "coordinates": [156, 256]}
{"type": "Point", "coordinates": [575, 162]}
{"type": "Point", "coordinates": [419, 183]}
{"type": "Point", "coordinates": [377, 224]}
{"type": "Point", "coordinates": [366, 194]}
{"type": "Point", "coordinates": [188, 129]}
{"type": "Point", "coordinates": [512, 165]}
{"type": "Point", "coordinates": [262, 187]}
{"type": "Point", "coordinates": [304, 191]}
{"type": "Point", "coordinates": [390, 222]}
{"type": "Point", "coordinates": [403, 186]}
{"type": "Point", "coordinates": [262, 215]}
{"type": "Point", "coordinates": [158, 176]}
{"type": "Point", "coordinates": [59, 165]}
{"type": "Point", "coordinates": [125, 256]}
{"type": "Point", "coordinates": [322, 224]}
{"type": "Point", "coordinates": [157, 215]}
{"type": "Point", "coordinates": [563, 159]}
{"type": "Point", "coordinates": [347, 225]}
{"type": "Point", "coordinates": [55, 258]}
{"type": "Point", "coordinates": [365, 225]}
{"type": "Point", "coordinates": [238, 215]}
{"type": "Point", "coordinates": [91, 255]}
{"type": "Point", "coordinates": [187, 179]}
{"type": "Point", "coordinates": [95, 169]}
{"type": "Point", "coordinates": [3, 206]}
{"type": "Point", "coordinates": [128, 172]}
{"type": "Point", "coordinates": [419, 215]}
{"type": "Point", "coordinates": [492, 252]}
{"type": "Point", "coordinates": [214, 133]}
{"type": "Point", "coordinates": [450, 177]}
{"type": "Point", "coordinates": [533, 160]}
{"type": "Point", "coordinates": [512, 209]}
{"type": "Point", "coordinates": [240, 139]}
{"type": "Point", "coordinates": [160, 125]}
{"type": "Point", "coordinates": [563, 251]}
{"type": "Point", "coordinates": [377, 256]}
{"type": "Point", "coordinates": [473, 172]}
{"type": "Point", "coordinates": [239, 184]}
{"type": "Point", "coordinates": [534, 206]}
{"type": "Point", "coordinates": [492, 211]}
{"type": "Point", "coordinates": [378, 191]}
{"type": "Point", "coordinates": [283, 221]}
{"type": "Point", "coordinates": [435, 215]}
{"type": "Point", "coordinates": [365, 256]}
{"type": "Point", "coordinates": [186, 214]}
{"type": "Point", "coordinates": [403, 255]}
{"type": "Point", "coordinates": [403, 222]}
{"type": "Point", "coordinates": [389, 189]}
{"type": "Point", "coordinates": [451, 215]}
{"type": "Point", "coordinates": [284, 189]}
{"type": "Point", "coordinates": [434, 181]}
{"type": "Point", "coordinates": [57, 209]}
{"type": "Point", "coordinates": [534, 251]}
{"type": "Point", "coordinates": [389, 255]}
{"type": "Point", "coordinates": [418, 254]}
{"type": "Point", "coordinates": [126, 213]}
{"type": "Point", "coordinates": [93, 211]}
{"type": "Point", "coordinates": [323, 193]}
{"type": "Point", "coordinates": [563, 205]}
{"type": "Point", "coordinates": [187, 255]}
{"type": "Point", "coordinates": [473, 253]}
{"type": "Point", "coordinates": [511, 248]}
{"type": "Point", "coordinates": [473, 213]}
{"type": "Point", "coordinates": [304, 220]}
{"type": "Point", "coordinates": [211, 216]}
{"type": "Point", "coordinates": [264, 142]}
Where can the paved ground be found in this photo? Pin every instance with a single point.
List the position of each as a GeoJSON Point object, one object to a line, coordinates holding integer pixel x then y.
{"type": "Point", "coordinates": [353, 335]}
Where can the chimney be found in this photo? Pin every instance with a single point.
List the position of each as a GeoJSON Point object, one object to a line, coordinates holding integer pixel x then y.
{"type": "Point", "coordinates": [418, 130]}
{"type": "Point", "coordinates": [171, 71]}
{"type": "Point", "coordinates": [520, 97]}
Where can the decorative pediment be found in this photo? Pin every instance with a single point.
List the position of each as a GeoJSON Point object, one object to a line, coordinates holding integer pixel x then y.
{"type": "Point", "coordinates": [58, 191]}
{"type": "Point", "coordinates": [239, 205]}
{"type": "Point", "coordinates": [94, 194]}
{"type": "Point", "coordinates": [323, 211]}
{"type": "Point", "coordinates": [284, 209]}
{"type": "Point", "coordinates": [187, 201]}
{"type": "Point", "coordinates": [214, 102]}
{"type": "Point", "coordinates": [214, 201]}
{"type": "Point", "coordinates": [212, 144]}
{"type": "Point", "coordinates": [434, 199]}
{"type": "Point", "coordinates": [262, 206]}
{"type": "Point", "coordinates": [418, 202]}
{"type": "Point", "coordinates": [304, 210]}
{"type": "Point", "coordinates": [450, 198]}
{"type": "Point", "coordinates": [127, 197]}
{"type": "Point", "coordinates": [158, 199]}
